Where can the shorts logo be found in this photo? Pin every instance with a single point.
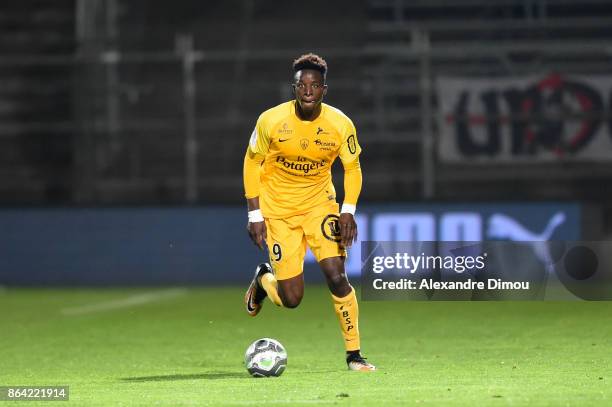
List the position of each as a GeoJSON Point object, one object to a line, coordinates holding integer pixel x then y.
{"type": "Point", "coordinates": [330, 227]}
{"type": "Point", "coordinates": [351, 144]}
{"type": "Point", "coordinates": [304, 143]}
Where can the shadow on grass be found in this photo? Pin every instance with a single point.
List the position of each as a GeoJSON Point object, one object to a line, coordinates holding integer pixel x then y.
{"type": "Point", "coordinates": [195, 376]}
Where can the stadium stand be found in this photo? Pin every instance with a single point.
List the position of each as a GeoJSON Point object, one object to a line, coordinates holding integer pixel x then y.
{"type": "Point", "coordinates": [35, 101]}
{"type": "Point", "coordinates": [384, 56]}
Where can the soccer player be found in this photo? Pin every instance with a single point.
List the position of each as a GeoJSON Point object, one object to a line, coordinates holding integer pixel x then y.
{"type": "Point", "coordinates": [292, 201]}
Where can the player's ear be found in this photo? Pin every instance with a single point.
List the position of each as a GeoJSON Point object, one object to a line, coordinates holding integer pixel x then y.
{"type": "Point", "coordinates": [324, 90]}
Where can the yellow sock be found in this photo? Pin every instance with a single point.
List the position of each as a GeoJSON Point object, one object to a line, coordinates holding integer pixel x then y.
{"type": "Point", "coordinates": [269, 283]}
{"type": "Point", "coordinates": [347, 310]}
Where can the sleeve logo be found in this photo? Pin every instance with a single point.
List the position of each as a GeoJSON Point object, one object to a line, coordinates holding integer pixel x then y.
{"type": "Point", "coordinates": [351, 144]}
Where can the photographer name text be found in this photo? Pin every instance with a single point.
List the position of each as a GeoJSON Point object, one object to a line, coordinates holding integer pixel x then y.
{"type": "Point", "coordinates": [430, 284]}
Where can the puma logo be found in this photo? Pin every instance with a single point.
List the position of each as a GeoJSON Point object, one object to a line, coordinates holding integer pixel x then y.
{"type": "Point", "coordinates": [504, 227]}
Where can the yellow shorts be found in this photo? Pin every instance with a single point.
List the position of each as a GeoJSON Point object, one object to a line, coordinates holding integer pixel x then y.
{"type": "Point", "coordinates": [287, 239]}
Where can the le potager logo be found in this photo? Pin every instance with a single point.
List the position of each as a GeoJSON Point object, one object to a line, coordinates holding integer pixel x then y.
{"type": "Point", "coordinates": [302, 165]}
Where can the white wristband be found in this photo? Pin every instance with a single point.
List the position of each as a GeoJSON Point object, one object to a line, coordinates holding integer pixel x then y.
{"type": "Point", "coordinates": [255, 216]}
{"type": "Point", "coordinates": [348, 208]}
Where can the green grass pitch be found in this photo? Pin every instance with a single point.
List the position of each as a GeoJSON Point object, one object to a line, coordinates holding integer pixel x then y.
{"type": "Point", "coordinates": [124, 347]}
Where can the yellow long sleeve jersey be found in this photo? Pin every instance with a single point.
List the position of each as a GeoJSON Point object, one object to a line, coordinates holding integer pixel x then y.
{"type": "Point", "coordinates": [288, 161]}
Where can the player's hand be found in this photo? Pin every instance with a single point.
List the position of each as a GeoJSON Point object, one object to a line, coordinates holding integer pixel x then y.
{"type": "Point", "coordinates": [258, 233]}
{"type": "Point", "coordinates": [348, 230]}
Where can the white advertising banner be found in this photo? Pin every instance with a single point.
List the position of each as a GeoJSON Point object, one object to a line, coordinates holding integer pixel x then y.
{"type": "Point", "coordinates": [533, 118]}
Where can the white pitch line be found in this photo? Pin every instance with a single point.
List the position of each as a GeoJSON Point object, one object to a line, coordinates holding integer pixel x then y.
{"type": "Point", "coordinates": [291, 402]}
{"type": "Point", "coordinates": [132, 301]}
{"type": "Point", "coordinates": [259, 403]}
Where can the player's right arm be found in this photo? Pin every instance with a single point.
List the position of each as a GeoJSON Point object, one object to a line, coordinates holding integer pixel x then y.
{"type": "Point", "coordinates": [255, 155]}
{"type": "Point", "coordinates": [256, 226]}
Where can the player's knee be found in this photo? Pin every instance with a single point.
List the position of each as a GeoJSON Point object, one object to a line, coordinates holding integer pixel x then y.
{"type": "Point", "coordinates": [291, 301]}
{"type": "Point", "coordinates": [338, 284]}
{"type": "Point", "coordinates": [291, 296]}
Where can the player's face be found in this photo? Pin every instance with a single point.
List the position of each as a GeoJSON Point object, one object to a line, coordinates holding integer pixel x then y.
{"type": "Point", "coordinates": [309, 88]}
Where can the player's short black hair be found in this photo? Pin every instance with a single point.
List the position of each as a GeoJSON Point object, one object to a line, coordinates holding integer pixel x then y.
{"type": "Point", "coordinates": [310, 61]}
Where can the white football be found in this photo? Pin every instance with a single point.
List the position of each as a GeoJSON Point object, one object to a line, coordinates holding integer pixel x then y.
{"type": "Point", "coordinates": [265, 357]}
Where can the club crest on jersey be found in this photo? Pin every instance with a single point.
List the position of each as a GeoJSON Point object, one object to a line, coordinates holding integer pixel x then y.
{"type": "Point", "coordinates": [304, 143]}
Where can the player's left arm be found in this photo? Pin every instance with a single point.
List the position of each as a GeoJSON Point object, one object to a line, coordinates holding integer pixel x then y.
{"type": "Point", "coordinates": [349, 155]}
